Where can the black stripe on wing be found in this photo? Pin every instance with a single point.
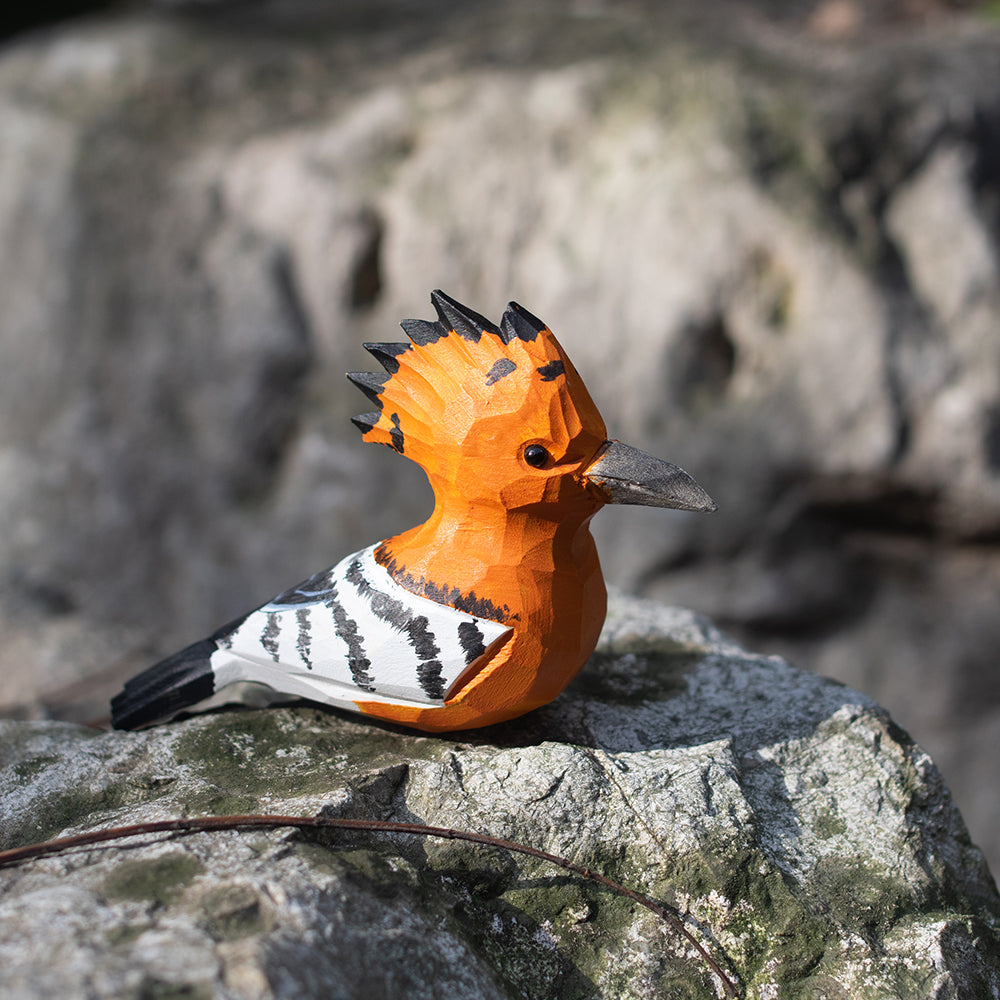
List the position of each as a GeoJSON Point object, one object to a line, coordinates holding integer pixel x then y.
{"type": "Point", "coordinates": [471, 638]}
{"type": "Point", "coordinates": [347, 629]}
{"type": "Point", "coordinates": [303, 642]}
{"type": "Point", "coordinates": [270, 635]}
{"type": "Point", "coordinates": [415, 627]}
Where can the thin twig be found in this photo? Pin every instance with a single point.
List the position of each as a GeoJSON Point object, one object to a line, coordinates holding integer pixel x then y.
{"type": "Point", "coordinates": [199, 824]}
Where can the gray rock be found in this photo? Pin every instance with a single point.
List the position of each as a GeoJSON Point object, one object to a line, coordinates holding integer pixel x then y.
{"type": "Point", "coordinates": [774, 262]}
{"type": "Point", "coordinates": [811, 845]}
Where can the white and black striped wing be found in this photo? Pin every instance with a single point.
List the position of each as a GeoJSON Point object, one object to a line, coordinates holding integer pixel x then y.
{"type": "Point", "coordinates": [352, 633]}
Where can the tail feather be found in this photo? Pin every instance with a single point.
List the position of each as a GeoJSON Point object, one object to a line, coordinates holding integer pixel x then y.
{"type": "Point", "coordinates": [173, 684]}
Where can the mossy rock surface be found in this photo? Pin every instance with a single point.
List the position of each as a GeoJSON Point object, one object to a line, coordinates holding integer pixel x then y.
{"type": "Point", "coordinates": [811, 844]}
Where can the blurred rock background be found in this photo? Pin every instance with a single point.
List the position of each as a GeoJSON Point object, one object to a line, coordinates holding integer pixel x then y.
{"type": "Point", "coordinates": [768, 233]}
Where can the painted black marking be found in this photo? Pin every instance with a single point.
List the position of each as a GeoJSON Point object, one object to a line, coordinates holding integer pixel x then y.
{"type": "Point", "coordinates": [422, 333]}
{"type": "Point", "coordinates": [370, 384]}
{"type": "Point", "coordinates": [415, 628]}
{"type": "Point", "coordinates": [452, 597]}
{"type": "Point", "coordinates": [269, 637]}
{"type": "Point", "coordinates": [471, 639]}
{"type": "Point", "coordinates": [552, 370]}
{"type": "Point", "coordinates": [386, 354]}
{"type": "Point", "coordinates": [423, 639]}
{"type": "Point", "coordinates": [429, 676]}
{"type": "Point", "coordinates": [500, 368]}
{"type": "Point", "coordinates": [518, 324]}
{"type": "Point", "coordinates": [478, 607]}
{"type": "Point", "coordinates": [304, 640]}
{"type": "Point", "coordinates": [365, 421]}
{"type": "Point", "coordinates": [347, 629]}
{"type": "Point", "coordinates": [396, 434]}
{"type": "Point", "coordinates": [310, 591]}
{"type": "Point", "coordinates": [467, 323]}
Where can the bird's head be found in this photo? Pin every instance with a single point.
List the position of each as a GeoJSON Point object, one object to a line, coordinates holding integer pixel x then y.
{"type": "Point", "coordinates": [497, 416]}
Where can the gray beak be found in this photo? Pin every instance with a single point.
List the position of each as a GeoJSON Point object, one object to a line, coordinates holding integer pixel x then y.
{"type": "Point", "coordinates": [626, 475]}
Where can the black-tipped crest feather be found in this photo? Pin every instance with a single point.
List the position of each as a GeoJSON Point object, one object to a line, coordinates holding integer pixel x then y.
{"type": "Point", "coordinates": [422, 332]}
{"type": "Point", "coordinates": [365, 421]}
{"type": "Point", "coordinates": [519, 324]}
{"type": "Point", "coordinates": [467, 323]}
{"type": "Point", "coordinates": [386, 354]}
{"type": "Point", "coordinates": [370, 384]}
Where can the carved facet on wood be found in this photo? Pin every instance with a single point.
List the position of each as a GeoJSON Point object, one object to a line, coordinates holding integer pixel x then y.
{"type": "Point", "coordinates": [489, 608]}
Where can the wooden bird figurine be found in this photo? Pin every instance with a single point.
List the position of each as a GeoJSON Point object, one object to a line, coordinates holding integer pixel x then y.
{"type": "Point", "coordinates": [491, 607]}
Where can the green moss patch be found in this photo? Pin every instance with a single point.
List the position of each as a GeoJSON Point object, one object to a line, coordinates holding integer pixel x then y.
{"type": "Point", "coordinates": [61, 808]}
{"type": "Point", "coordinates": [26, 770]}
{"type": "Point", "coordinates": [245, 756]}
{"type": "Point", "coordinates": [155, 880]}
{"type": "Point", "coordinates": [860, 896]}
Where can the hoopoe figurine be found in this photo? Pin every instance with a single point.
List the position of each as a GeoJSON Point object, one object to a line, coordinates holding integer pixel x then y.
{"type": "Point", "coordinates": [491, 607]}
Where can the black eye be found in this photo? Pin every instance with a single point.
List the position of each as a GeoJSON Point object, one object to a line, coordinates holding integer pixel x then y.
{"type": "Point", "coordinates": [536, 456]}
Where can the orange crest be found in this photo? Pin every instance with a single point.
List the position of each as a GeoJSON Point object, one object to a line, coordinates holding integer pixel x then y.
{"type": "Point", "coordinates": [494, 415]}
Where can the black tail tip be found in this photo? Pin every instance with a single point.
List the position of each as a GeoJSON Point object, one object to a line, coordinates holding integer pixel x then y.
{"type": "Point", "coordinates": [167, 687]}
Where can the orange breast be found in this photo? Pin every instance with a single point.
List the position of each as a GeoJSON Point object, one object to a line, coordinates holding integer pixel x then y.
{"type": "Point", "coordinates": [542, 578]}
